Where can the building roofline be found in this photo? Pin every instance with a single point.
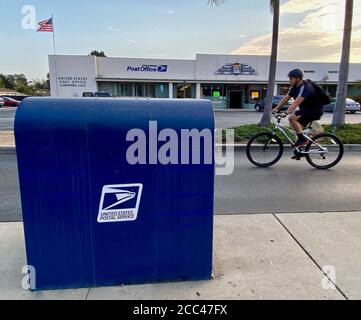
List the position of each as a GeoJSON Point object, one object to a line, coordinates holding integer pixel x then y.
{"type": "Point", "coordinates": [204, 54]}
{"type": "Point", "coordinates": [133, 58]}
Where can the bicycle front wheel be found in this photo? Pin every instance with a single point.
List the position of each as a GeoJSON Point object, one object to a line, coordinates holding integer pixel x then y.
{"type": "Point", "coordinates": [329, 158]}
{"type": "Point", "coordinates": [264, 149]}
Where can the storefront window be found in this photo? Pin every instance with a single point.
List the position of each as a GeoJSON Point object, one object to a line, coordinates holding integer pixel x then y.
{"type": "Point", "coordinates": [126, 89]}
{"type": "Point", "coordinates": [256, 92]}
{"type": "Point", "coordinates": [216, 93]}
{"type": "Point", "coordinates": [184, 90]}
{"type": "Point", "coordinates": [129, 89]}
{"type": "Point", "coordinates": [283, 89]}
{"type": "Point", "coordinates": [161, 90]}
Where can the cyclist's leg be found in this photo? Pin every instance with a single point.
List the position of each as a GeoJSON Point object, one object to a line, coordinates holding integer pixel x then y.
{"type": "Point", "coordinates": [298, 121]}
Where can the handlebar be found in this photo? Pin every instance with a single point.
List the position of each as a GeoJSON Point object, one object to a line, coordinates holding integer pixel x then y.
{"type": "Point", "coordinates": [277, 115]}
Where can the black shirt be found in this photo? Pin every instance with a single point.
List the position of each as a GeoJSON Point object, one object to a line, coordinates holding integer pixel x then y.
{"type": "Point", "coordinates": [307, 91]}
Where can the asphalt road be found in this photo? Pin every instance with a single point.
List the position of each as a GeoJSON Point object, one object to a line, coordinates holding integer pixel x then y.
{"type": "Point", "coordinates": [224, 119]}
{"type": "Point", "coordinates": [289, 186]}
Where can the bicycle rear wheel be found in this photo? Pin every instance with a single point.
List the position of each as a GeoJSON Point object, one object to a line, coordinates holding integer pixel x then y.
{"type": "Point", "coordinates": [264, 149]}
{"type": "Point", "coordinates": [327, 159]}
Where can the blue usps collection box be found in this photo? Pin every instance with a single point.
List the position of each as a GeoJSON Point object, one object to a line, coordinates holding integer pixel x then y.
{"type": "Point", "coordinates": [93, 218]}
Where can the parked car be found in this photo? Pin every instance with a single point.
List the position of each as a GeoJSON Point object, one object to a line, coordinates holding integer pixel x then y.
{"type": "Point", "coordinates": [98, 94]}
{"type": "Point", "coordinates": [2, 102]}
{"type": "Point", "coordinates": [351, 106]}
{"type": "Point", "coordinates": [259, 106]}
{"type": "Point", "coordinates": [10, 102]}
{"type": "Point", "coordinates": [103, 94]}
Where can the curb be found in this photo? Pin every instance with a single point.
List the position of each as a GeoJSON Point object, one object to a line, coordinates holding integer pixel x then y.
{"type": "Point", "coordinates": [348, 147]}
{"type": "Point", "coordinates": [7, 150]}
{"type": "Point", "coordinates": [236, 110]}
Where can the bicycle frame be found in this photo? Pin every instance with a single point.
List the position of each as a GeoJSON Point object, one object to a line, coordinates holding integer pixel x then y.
{"type": "Point", "coordinates": [286, 131]}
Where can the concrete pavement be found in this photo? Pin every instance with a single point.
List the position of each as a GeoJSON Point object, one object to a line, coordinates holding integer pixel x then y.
{"type": "Point", "coordinates": [331, 239]}
{"type": "Point", "coordinates": [262, 256]}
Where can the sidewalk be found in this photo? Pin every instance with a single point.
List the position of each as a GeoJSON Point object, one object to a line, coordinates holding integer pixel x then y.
{"type": "Point", "coordinates": [258, 256]}
{"type": "Point", "coordinates": [7, 139]}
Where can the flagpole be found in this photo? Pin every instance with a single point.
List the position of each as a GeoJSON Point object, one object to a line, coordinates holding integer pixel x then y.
{"type": "Point", "coordinates": [54, 45]}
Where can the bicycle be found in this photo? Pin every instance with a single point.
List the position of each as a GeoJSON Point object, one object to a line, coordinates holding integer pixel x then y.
{"type": "Point", "coordinates": [323, 150]}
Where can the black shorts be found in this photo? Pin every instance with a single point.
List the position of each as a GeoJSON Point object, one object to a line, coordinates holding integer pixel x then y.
{"type": "Point", "coordinates": [308, 116]}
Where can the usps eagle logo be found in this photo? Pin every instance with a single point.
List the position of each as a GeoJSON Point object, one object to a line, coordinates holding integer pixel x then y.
{"type": "Point", "coordinates": [119, 202]}
{"type": "Point", "coordinates": [162, 68]}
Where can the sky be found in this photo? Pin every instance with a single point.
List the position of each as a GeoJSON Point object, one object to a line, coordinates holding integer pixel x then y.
{"type": "Point", "coordinates": [311, 30]}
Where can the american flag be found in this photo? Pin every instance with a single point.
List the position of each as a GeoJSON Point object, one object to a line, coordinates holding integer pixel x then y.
{"type": "Point", "coordinates": [46, 26]}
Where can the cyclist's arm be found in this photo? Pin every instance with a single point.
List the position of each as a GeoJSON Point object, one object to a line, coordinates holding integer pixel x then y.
{"type": "Point", "coordinates": [284, 100]}
{"type": "Point", "coordinates": [295, 104]}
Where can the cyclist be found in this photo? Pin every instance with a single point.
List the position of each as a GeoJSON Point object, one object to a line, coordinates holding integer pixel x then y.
{"type": "Point", "coordinates": [306, 98]}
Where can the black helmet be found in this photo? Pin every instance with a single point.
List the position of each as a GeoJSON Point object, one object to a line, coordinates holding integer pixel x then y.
{"type": "Point", "coordinates": [296, 73]}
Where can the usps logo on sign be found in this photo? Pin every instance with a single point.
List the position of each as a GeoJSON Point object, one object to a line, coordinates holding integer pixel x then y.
{"type": "Point", "coordinates": [119, 202]}
{"type": "Point", "coordinates": [162, 68]}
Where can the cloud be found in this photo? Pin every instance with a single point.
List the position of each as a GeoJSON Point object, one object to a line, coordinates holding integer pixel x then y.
{"type": "Point", "coordinates": [297, 7]}
{"type": "Point", "coordinates": [316, 38]}
{"type": "Point", "coordinates": [114, 29]}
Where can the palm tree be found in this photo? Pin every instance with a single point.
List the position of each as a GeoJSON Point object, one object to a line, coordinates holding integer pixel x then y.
{"type": "Point", "coordinates": [266, 118]}
{"type": "Point", "coordinates": [340, 109]}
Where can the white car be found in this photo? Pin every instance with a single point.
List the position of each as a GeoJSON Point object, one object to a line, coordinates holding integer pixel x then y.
{"type": "Point", "coordinates": [351, 106]}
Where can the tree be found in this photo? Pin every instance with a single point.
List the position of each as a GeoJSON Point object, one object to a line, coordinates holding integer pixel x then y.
{"type": "Point", "coordinates": [6, 82]}
{"type": "Point", "coordinates": [97, 53]}
{"type": "Point", "coordinates": [17, 80]}
{"type": "Point", "coordinates": [41, 84]}
{"type": "Point", "coordinates": [2, 81]}
{"type": "Point", "coordinates": [20, 83]}
{"type": "Point", "coordinates": [266, 117]}
{"type": "Point", "coordinates": [340, 109]}
{"type": "Point", "coordinates": [28, 90]}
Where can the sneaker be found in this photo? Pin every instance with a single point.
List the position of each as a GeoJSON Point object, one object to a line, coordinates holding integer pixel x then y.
{"type": "Point", "coordinates": [296, 158]}
{"type": "Point", "coordinates": [300, 143]}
